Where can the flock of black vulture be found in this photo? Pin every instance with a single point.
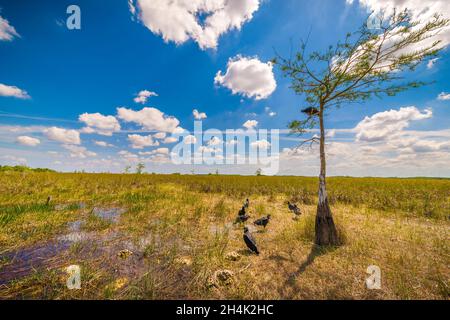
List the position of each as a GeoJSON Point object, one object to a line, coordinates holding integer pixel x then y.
{"type": "Point", "coordinates": [264, 221]}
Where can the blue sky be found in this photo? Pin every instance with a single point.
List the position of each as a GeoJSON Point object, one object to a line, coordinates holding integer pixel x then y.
{"type": "Point", "coordinates": [66, 73]}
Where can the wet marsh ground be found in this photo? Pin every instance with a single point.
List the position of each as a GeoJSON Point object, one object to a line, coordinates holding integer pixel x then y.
{"type": "Point", "coordinates": [173, 236]}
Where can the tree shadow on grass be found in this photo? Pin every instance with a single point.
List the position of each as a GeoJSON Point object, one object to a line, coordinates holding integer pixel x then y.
{"type": "Point", "coordinates": [316, 251]}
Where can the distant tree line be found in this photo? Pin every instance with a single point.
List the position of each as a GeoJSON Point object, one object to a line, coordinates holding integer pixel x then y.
{"type": "Point", "coordinates": [24, 169]}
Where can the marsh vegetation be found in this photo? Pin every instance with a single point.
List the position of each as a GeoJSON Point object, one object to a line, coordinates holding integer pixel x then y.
{"type": "Point", "coordinates": [173, 236]}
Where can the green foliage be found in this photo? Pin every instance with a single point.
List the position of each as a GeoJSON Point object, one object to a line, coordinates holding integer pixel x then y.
{"type": "Point", "coordinates": [9, 214]}
{"type": "Point", "coordinates": [23, 169]}
{"type": "Point", "coordinates": [416, 197]}
{"type": "Point", "coordinates": [368, 63]}
{"type": "Point", "coordinates": [140, 168]}
{"type": "Point", "coordinates": [220, 209]}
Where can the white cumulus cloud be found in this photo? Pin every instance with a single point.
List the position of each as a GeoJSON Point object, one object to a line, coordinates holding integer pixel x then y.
{"type": "Point", "coordinates": [444, 96]}
{"type": "Point", "coordinates": [150, 119]}
{"type": "Point", "coordinates": [386, 124]}
{"type": "Point", "coordinates": [7, 31]}
{"type": "Point", "coordinates": [98, 123]}
{"type": "Point", "coordinates": [79, 152]}
{"type": "Point", "coordinates": [190, 139]}
{"type": "Point", "coordinates": [143, 96]}
{"type": "Point", "coordinates": [28, 141]}
{"type": "Point", "coordinates": [198, 115]}
{"type": "Point", "coordinates": [269, 112]}
{"type": "Point", "coordinates": [422, 10]}
{"type": "Point", "coordinates": [128, 156]}
{"type": "Point", "coordinates": [261, 144]}
{"type": "Point", "coordinates": [103, 144]}
{"type": "Point", "coordinates": [66, 136]}
{"type": "Point", "coordinates": [169, 140]}
{"type": "Point", "coordinates": [160, 135]}
{"type": "Point", "coordinates": [140, 142]}
{"type": "Point", "coordinates": [431, 63]}
{"type": "Point", "coordinates": [249, 77]}
{"type": "Point", "coordinates": [13, 91]}
{"type": "Point", "coordinates": [250, 124]}
{"type": "Point", "coordinates": [180, 20]}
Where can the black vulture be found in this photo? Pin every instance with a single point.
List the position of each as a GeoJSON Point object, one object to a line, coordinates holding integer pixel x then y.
{"type": "Point", "coordinates": [311, 111]}
{"type": "Point", "coordinates": [249, 241]}
{"type": "Point", "coordinates": [242, 219]}
{"type": "Point", "coordinates": [246, 203]}
{"type": "Point", "coordinates": [294, 208]}
{"type": "Point", "coordinates": [263, 221]}
{"type": "Point", "coordinates": [242, 211]}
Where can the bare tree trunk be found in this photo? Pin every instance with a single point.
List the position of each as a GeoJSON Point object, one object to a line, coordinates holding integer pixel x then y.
{"type": "Point", "coordinates": [326, 233]}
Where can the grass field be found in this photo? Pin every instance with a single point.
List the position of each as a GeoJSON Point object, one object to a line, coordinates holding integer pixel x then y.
{"type": "Point", "coordinates": [172, 236]}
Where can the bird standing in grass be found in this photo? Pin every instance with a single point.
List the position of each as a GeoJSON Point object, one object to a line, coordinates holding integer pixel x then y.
{"type": "Point", "coordinates": [242, 219]}
{"type": "Point", "coordinates": [249, 241]}
{"type": "Point", "coordinates": [293, 208]}
{"type": "Point", "coordinates": [242, 216]}
{"type": "Point", "coordinates": [263, 221]}
{"type": "Point", "coordinates": [246, 204]}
